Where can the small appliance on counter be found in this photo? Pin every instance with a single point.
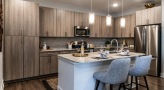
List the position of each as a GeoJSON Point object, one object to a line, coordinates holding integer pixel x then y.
{"type": "Point", "coordinates": [80, 31]}
{"type": "Point", "coordinates": [77, 44]}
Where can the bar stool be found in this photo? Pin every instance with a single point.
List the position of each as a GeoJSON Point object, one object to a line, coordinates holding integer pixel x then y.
{"type": "Point", "coordinates": [116, 73]}
{"type": "Point", "coordinates": [140, 69]}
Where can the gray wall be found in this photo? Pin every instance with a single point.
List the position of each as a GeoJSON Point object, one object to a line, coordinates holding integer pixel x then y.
{"type": "Point", "coordinates": [162, 74]}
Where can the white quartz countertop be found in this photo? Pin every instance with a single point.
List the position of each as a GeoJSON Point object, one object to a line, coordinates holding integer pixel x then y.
{"type": "Point", "coordinates": [91, 57]}
{"type": "Point", "coordinates": [56, 49]}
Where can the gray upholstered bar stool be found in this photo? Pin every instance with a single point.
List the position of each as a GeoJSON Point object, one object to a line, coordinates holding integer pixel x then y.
{"type": "Point", "coordinates": [140, 69]}
{"type": "Point", "coordinates": [116, 73]}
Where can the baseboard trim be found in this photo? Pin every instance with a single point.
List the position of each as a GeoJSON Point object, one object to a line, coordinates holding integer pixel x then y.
{"type": "Point", "coordinates": [162, 75]}
{"type": "Point", "coordinates": [1, 85]}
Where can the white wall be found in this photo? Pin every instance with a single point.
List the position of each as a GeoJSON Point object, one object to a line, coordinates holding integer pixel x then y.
{"type": "Point", "coordinates": [1, 71]}
{"type": "Point", "coordinates": [162, 74]}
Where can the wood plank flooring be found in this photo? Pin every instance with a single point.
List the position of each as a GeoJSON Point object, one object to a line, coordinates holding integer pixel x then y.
{"type": "Point", "coordinates": [154, 83]}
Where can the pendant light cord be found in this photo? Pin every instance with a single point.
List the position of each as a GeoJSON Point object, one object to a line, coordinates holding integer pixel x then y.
{"type": "Point", "coordinates": [91, 6]}
{"type": "Point", "coordinates": [122, 8]}
{"type": "Point", "coordinates": [108, 7]}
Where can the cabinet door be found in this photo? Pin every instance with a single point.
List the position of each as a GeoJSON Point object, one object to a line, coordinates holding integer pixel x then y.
{"type": "Point", "coordinates": [69, 24]}
{"type": "Point", "coordinates": [13, 58]}
{"type": "Point", "coordinates": [144, 17]}
{"type": "Point", "coordinates": [45, 65]}
{"type": "Point", "coordinates": [31, 19]}
{"type": "Point", "coordinates": [78, 19]}
{"type": "Point", "coordinates": [126, 30]}
{"type": "Point", "coordinates": [13, 17]}
{"type": "Point", "coordinates": [95, 28]}
{"type": "Point", "coordinates": [106, 31]}
{"type": "Point", "coordinates": [118, 29]}
{"type": "Point", "coordinates": [31, 56]}
{"type": "Point", "coordinates": [158, 14]}
{"type": "Point", "coordinates": [138, 18]}
{"type": "Point", "coordinates": [133, 24]}
{"type": "Point", "coordinates": [47, 21]}
{"type": "Point", "coordinates": [150, 15]}
{"type": "Point", "coordinates": [65, 25]}
{"type": "Point", "coordinates": [54, 64]}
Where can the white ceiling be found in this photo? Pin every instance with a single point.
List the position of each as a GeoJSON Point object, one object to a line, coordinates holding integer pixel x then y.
{"type": "Point", "coordinates": [99, 6]}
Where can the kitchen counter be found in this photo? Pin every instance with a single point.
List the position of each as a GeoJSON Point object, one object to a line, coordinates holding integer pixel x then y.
{"type": "Point", "coordinates": [57, 49]}
{"type": "Point", "coordinates": [76, 73]}
{"type": "Point", "coordinates": [91, 57]}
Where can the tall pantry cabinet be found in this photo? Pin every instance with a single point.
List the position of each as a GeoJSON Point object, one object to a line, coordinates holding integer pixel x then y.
{"type": "Point", "coordinates": [21, 52]}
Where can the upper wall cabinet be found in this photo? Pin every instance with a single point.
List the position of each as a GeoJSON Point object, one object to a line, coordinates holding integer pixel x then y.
{"type": "Point", "coordinates": [81, 19]}
{"type": "Point", "coordinates": [21, 18]}
{"type": "Point", "coordinates": [47, 22]}
{"type": "Point", "coordinates": [158, 14]}
{"type": "Point", "coordinates": [128, 31]}
{"type": "Point", "coordinates": [149, 16]}
{"type": "Point", "coordinates": [65, 23]}
{"type": "Point", "coordinates": [106, 31]}
{"type": "Point", "coordinates": [96, 27]}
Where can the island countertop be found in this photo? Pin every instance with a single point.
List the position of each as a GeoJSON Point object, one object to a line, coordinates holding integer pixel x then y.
{"type": "Point", "coordinates": [91, 57]}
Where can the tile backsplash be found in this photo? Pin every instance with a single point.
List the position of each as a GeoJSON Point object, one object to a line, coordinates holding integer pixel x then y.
{"type": "Point", "coordinates": [58, 42]}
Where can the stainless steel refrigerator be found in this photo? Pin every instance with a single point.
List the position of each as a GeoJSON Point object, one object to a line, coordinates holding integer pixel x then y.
{"type": "Point", "coordinates": [147, 39]}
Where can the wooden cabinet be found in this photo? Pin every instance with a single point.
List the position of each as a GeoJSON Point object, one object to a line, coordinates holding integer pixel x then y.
{"type": "Point", "coordinates": [158, 14]}
{"type": "Point", "coordinates": [47, 22]}
{"type": "Point", "coordinates": [96, 27]}
{"type": "Point", "coordinates": [21, 18]}
{"type": "Point", "coordinates": [138, 18]}
{"type": "Point", "coordinates": [13, 58]}
{"type": "Point", "coordinates": [118, 29]}
{"type": "Point", "coordinates": [31, 56]}
{"type": "Point", "coordinates": [149, 16]}
{"type": "Point", "coordinates": [21, 45]}
{"type": "Point", "coordinates": [128, 31]}
{"type": "Point", "coordinates": [106, 31]}
{"type": "Point", "coordinates": [30, 19]}
{"type": "Point", "coordinates": [81, 19]}
{"type": "Point", "coordinates": [13, 17]}
{"type": "Point", "coordinates": [48, 63]}
{"type": "Point", "coordinates": [45, 65]}
{"type": "Point", "coordinates": [65, 23]}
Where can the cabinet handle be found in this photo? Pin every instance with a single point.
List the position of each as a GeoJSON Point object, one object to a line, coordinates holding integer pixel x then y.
{"type": "Point", "coordinates": [95, 34]}
{"type": "Point", "coordinates": [65, 34]}
{"type": "Point", "coordinates": [46, 33]}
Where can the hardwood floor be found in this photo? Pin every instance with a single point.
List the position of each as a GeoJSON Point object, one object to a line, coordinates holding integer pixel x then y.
{"type": "Point", "coordinates": [154, 83]}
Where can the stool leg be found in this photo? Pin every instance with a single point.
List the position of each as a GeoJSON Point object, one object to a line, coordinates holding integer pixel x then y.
{"type": "Point", "coordinates": [136, 83]}
{"type": "Point", "coordinates": [120, 86]}
{"type": "Point", "coordinates": [111, 87]}
{"type": "Point", "coordinates": [97, 84]}
{"type": "Point", "coordinates": [124, 86]}
{"type": "Point", "coordinates": [146, 83]}
{"type": "Point", "coordinates": [131, 82]}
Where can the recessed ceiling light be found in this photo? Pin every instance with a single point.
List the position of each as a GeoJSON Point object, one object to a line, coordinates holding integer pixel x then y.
{"type": "Point", "coordinates": [115, 4]}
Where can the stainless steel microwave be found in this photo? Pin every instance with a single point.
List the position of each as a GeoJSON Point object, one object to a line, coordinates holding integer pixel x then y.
{"type": "Point", "coordinates": [80, 31]}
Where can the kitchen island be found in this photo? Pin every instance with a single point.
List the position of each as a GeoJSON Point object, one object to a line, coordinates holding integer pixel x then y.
{"type": "Point", "coordinates": [76, 73]}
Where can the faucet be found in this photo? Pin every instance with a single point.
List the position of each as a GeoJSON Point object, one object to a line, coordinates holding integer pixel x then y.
{"type": "Point", "coordinates": [115, 41]}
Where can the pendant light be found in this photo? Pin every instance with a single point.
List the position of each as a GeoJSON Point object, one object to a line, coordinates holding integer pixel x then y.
{"type": "Point", "coordinates": [108, 17]}
{"type": "Point", "coordinates": [122, 21]}
{"type": "Point", "coordinates": [91, 16]}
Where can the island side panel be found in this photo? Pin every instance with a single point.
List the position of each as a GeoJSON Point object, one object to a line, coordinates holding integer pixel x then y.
{"type": "Point", "coordinates": [65, 75]}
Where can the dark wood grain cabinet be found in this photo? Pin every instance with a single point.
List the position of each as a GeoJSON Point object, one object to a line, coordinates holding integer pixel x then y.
{"type": "Point", "coordinates": [31, 57]}
{"type": "Point", "coordinates": [13, 55]}
{"type": "Point", "coordinates": [48, 63]}
{"type": "Point", "coordinates": [21, 58]}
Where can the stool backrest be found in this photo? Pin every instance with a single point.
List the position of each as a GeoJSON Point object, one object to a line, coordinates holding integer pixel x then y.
{"type": "Point", "coordinates": [141, 66]}
{"type": "Point", "coordinates": [118, 70]}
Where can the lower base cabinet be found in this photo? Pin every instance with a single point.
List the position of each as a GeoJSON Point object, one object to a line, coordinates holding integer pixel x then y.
{"type": "Point", "coordinates": [48, 63]}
